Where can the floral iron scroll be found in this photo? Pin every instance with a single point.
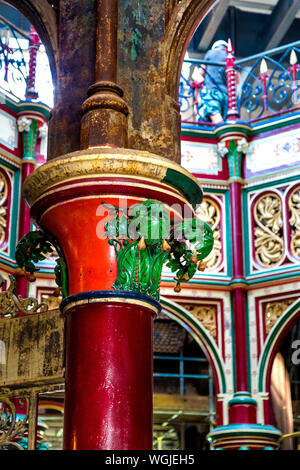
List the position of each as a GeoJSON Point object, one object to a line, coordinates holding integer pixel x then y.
{"type": "Point", "coordinates": [294, 208]}
{"type": "Point", "coordinates": [37, 246]}
{"type": "Point", "coordinates": [276, 226]}
{"type": "Point", "coordinates": [11, 429]}
{"type": "Point", "coordinates": [268, 230]}
{"type": "Point", "coordinates": [210, 212]}
{"type": "Point", "coordinates": [11, 304]}
{"type": "Point", "coordinates": [3, 209]}
{"type": "Point", "coordinates": [144, 240]}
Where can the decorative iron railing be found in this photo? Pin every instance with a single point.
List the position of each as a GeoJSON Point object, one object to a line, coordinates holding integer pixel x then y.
{"type": "Point", "coordinates": [267, 84]}
{"type": "Point", "coordinates": [14, 59]}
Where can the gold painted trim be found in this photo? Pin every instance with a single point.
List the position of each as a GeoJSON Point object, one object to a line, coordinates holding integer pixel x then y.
{"type": "Point", "coordinates": [250, 437]}
{"type": "Point", "coordinates": [230, 136]}
{"type": "Point", "coordinates": [116, 183]}
{"type": "Point", "coordinates": [230, 126]}
{"type": "Point", "coordinates": [236, 180]}
{"type": "Point", "coordinates": [33, 162]}
{"type": "Point", "coordinates": [86, 162]}
{"type": "Point", "coordinates": [11, 159]}
{"type": "Point", "coordinates": [36, 116]}
{"type": "Point", "coordinates": [265, 433]}
{"type": "Point", "coordinates": [267, 124]}
{"type": "Point", "coordinates": [25, 104]}
{"type": "Point", "coordinates": [111, 300]}
{"type": "Point", "coordinates": [216, 131]}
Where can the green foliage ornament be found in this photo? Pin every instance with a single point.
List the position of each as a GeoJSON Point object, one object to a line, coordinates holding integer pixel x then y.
{"type": "Point", "coordinates": [144, 240]}
{"type": "Point", "coordinates": [34, 247]}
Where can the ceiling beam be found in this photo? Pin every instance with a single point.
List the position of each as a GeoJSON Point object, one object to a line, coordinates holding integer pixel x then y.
{"type": "Point", "coordinates": [253, 7]}
{"type": "Point", "coordinates": [214, 22]}
{"type": "Point", "coordinates": [282, 17]}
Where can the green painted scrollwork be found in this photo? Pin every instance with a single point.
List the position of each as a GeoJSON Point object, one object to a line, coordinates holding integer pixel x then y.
{"type": "Point", "coordinates": [34, 247]}
{"type": "Point", "coordinates": [144, 240]}
{"type": "Point", "coordinates": [185, 258]}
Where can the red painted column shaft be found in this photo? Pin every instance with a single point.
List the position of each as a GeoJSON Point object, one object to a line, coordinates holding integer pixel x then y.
{"type": "Point", "coordinates": [24, 220]}
{"type": "Point", "coordinates": [230, 70]}
{"type": "Point", "coordinates": [236, 230]}
{"type": "Point", "coordinates": [240, 344]}
{"type": "Point", "coordinates": [33, 49]}
{"type": "Point", "coordinates": [242, 414]}
{"type": "Point", "coordinates": [238, 294]}
{"type": "Point", "coordinates": [24, 227]}
{"type": "Point", "coordinates": [109, 363]}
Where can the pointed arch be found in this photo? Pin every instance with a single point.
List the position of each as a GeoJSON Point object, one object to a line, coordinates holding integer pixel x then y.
{"type": "Point", "coordinates": [200, 335]}
{"type": "Point", "coordinates": [43, 17]}
{"type": "Point", "coordinates": [274, 339]}
{"type": "Point", "coordinates": [183, 22]}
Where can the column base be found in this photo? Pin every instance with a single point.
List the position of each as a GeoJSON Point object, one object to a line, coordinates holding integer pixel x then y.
{"type": "Point", "coordinates": [244, 437]}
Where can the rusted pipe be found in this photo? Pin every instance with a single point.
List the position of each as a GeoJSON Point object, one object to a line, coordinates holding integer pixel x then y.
{"type": "Point", "coordinates": [104, 120]}
{"type": "Point", "coordinates": [106, 41]}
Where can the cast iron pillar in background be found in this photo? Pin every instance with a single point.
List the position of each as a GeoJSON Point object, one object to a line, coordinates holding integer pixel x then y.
{"type": "Point", "coordinates": [242, 432]}
{"type": "Point", "coordinates": [233, 144]}
{"type": "Point", "coordinates": [34, 44]}
{"type": "Point", "coordinates": [112, 286]}
{"type": "Point", "coordinates": [230, 70]}
{"type": "Point", "coordinates": [32, 116]}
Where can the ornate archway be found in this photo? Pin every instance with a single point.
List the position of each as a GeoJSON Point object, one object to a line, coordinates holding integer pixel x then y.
{"type": "Point", "coordinates": [199, 333]}
{"type": "Point", "coordinates": [182, 24]}
{"type": "Point", "coordinates": [43, 17]}
{"type": "Point", "coordinates": [274, 339]}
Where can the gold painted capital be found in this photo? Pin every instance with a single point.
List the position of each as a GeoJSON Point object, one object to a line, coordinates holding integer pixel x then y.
{"type": "Point", "coordinates": [97, 162]}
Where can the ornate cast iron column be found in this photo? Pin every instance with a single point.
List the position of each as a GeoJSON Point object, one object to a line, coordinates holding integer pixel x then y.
{"type": "Point", "coordinates": [242, 432]}
{"type": "Point", "coordinates": [230, 70]}
{"type": "Point", "coordinates": [32, 116]}
{"type": "Point", "coordinates": [113, 284]}
{"type": "Point", "coordinates": [84, 203]}
{"type": "Point", "coordinates": [31, 93]}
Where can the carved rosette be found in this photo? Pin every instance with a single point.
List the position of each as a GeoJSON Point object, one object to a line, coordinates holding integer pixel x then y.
{"type": "Point", "coordinates": [268, 237]}
{"type": "Point", "coordinates": [210, 213]}
{"type": "Point", "coordinates": [273, 312]}
{"type": "Point", "coordinates": [206, 315]}
{"type": "Point", "coordinates": [294, 212]}
{"type": "Point", "coordinates": [3, 210]}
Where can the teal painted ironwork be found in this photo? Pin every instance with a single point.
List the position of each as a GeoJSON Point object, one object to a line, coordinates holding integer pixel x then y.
{"type": "Point", "coordinates": [140, 236]}
{"type": "Point", "coordinates": [234, 158]}
{"type": "Point", "coordinates": [36, 246]}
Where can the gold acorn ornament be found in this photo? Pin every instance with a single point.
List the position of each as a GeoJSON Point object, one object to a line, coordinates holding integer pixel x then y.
{"type": "Point", "coordinates": [186, 277]}
{"type": "Point", "coordinates": [57, 292]}
{"type": "Point", "coordinates": [31, 277]}
{"type": "Point", "coordinates": [177, 288]}
{"type": "Point", "coordinates": [201, 265]}
{"type": "Point", "coordinates": [165, 246]}
{"type": "Point", "coordinates": [20, 272]}
{"type": "Point", "coordinates": [194, 259]}
{"type": "Point", "coordinates": [141, 244]}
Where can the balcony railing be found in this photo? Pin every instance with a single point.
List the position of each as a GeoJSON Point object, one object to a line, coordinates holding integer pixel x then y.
{"type": "Point", "coordinates": [24, 67]}
{"type": "Point", "coordinates": [14, 60]}
{"type": "Point", "coordinates": [267, 84]}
